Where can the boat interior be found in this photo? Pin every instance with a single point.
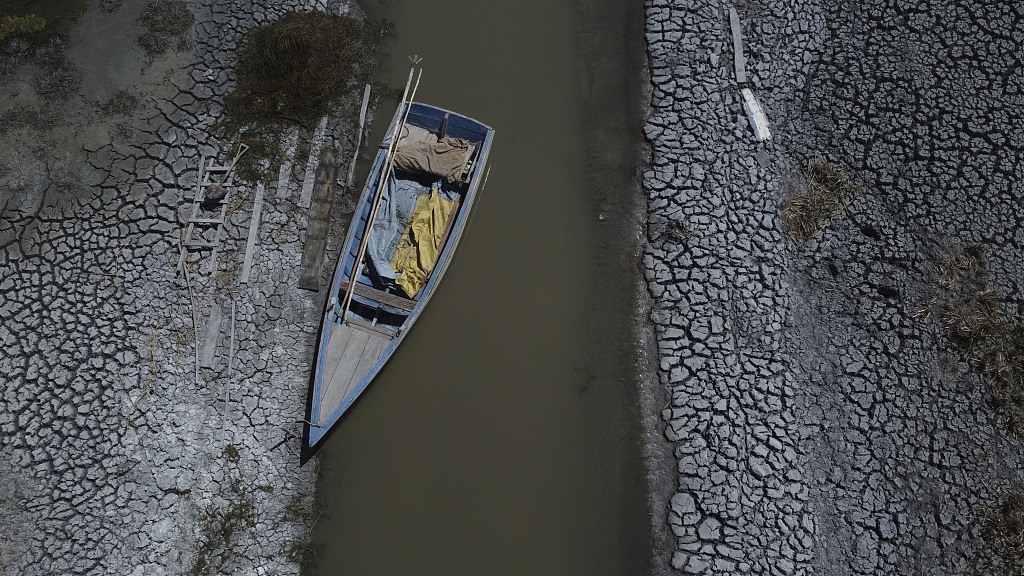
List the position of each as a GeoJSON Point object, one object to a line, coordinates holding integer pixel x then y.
{"type": "Point", "coordinates": [423, 206]}
{"type": "Point", "coordinates": [435, 162]}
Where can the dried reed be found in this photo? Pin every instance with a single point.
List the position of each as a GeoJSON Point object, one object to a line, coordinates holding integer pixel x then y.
{"type": "Point", "coordinates": [292, 72]}
{"type": "Point", "coordinates": [976, 320]}
{"type": "Point", "coordinates": [1004, 529]}
{"type": "Point", "coordinates": [829, 191]}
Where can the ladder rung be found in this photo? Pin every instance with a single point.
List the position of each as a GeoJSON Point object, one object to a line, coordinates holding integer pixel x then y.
{"type": "Point", "coordinates": [208, 182]}
{"type": "Point", "coordinates": [208, 203]}
{"type": "Point", "coordinates": [206, 221]}
{"type": "Point", "coordinates": [201, 244]}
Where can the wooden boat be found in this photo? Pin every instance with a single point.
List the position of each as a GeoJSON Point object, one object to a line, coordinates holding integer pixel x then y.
{"type": "Point", "coordinates": [365, 321]}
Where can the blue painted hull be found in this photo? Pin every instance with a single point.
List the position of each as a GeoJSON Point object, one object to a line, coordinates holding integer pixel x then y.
{"type": "Point", "coordinates": [373, 327]}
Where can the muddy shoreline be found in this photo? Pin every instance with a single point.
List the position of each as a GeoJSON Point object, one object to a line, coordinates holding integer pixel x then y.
{"type": "Point", "coordinates": [123, 456]}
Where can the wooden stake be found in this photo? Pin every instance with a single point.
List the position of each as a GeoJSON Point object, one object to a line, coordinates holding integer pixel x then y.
{"type": "Point", "coordinates": [359, 137]}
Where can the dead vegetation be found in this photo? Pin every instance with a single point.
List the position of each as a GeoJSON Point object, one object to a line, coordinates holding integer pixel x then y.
{"type": "Point", "coordinates": [122, 102]}
{"type": "Point", "coordinates": [53, 76]}
{"type": "Point", "coordinates": [291, 72]}
{"type": "Point", "coordinates": [824, 191]}
{"type": "Point", "coordinates": [1003, 524]}
{"type": "Point", "coordinates": [226, 521]}
{"type": "Point", "coordinates": [167, 24]}
{"type": "Point", "coordinates": [975, 319]}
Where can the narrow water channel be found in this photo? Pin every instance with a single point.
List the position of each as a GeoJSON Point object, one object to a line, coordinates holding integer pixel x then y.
{"type": "Point", "coordinates": [503, 437]}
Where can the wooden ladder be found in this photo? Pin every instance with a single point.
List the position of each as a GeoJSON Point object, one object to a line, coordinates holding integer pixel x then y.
{"type": "Point", "coordinates": [200, 226]}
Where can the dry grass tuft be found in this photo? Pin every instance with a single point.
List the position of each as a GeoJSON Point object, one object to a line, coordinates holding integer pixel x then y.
{"type": "Point", "coordinates": [1004, 529]}
{"type": "Point", "coordinates": [828, 192]}
{"type": "Point", "coordinates": [292, 72]}
{"type": "Point", "coordinates": [167, 24]}
{"type": "Point", "coordinates": [122, 102]}
{"type": "Point", "coordinates": [975, 319]}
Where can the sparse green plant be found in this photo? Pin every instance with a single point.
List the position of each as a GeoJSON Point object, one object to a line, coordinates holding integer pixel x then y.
{"type": "Point", "coordinates": [298, 551]}
{"type": "Point", "coordinates": [826, 191]}
{"type": "Point", "coordinates": [167, 24]}
{"type": "Point", "coordinates": [221, 525]}
{"type": "Point", "coordinates": [295, 511]}
{"type": "Point", "coordinates": [219, 530]}
{"type": "Point", "coordinates": [21, 25]}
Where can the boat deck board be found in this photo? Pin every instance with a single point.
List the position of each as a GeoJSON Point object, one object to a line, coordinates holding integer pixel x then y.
{"type": "Point", "coordinates": [350, 355]}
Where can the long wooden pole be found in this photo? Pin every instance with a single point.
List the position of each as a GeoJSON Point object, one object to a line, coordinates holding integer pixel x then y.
{"type": "Point", "coordinates": [389, 161]}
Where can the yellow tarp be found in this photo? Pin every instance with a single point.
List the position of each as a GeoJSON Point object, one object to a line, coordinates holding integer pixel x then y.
{"type": "Point", "coordinates": [420, 245]}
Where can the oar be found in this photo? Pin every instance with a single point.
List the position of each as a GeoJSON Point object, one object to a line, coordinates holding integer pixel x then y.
{"type": "Point", "coordinates": [389, 160]}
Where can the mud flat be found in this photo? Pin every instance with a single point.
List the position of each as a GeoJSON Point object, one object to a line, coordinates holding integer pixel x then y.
{"type": "Point", "coordinates": [119, 455]}
{"type": "Point", "coordinates": [815, 422]}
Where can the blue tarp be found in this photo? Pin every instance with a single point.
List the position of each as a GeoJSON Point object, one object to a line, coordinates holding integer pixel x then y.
{"type": "Point", "coordinates": [396, 207]}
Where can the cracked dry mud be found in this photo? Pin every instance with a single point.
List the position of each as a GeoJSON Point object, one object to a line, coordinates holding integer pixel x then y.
{"type": "Point", "coordinates": [817, 426]}
{"type": "Point", "coordinates": [118, 459]}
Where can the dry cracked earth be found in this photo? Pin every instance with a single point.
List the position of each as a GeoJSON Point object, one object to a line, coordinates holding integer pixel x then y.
{"type": "Point", "coordinates": [817, 424]}
{"type": "Point", "coordinates": [119, 455]}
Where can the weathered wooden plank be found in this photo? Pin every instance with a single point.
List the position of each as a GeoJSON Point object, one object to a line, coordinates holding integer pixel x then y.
{"type": "Point", "coordinates": [756, 116]}
{"type": "Point", "coordinates": [231, 362]}
{"type": "Point", "coordinates": [209, 349]}
{"type": "Point", "coordinates": [314, 153]}
{"type": "Point", "coordinates": [319, 223]}
{"type": "Point", "coordinates": [739, 60]}
{"type": "Point", "coordinates": [374, 329]}
{"type": "Point", "coordinates": [359, 138]}
{"type": "Point", "coordinates": [380, 296]}
{"type": "Point", "coordinates": [291, 142]}
{"type": "Point", "coordinates": [371, 352]}
{"type": "Point", "coordinates": [254, 224]}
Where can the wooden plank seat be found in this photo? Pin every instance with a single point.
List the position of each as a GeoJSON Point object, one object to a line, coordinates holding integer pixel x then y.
{"type": "Point", "coordinates": [380, 296]}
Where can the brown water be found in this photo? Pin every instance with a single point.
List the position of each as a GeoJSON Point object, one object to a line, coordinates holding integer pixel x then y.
{"type": "Point", "coordinates": [503, 437]}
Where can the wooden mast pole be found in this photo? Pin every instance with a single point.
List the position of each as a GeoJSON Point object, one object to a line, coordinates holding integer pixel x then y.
{"type": "Point", "coordinates": [389, 160]}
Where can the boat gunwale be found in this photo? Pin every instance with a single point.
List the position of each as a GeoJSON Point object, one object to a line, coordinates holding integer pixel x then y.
{"type": "Point", "coordinates": [316, 432]}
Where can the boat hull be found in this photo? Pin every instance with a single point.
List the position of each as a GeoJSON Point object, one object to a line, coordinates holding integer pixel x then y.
{"type": "Point", "coordinates": [354, 344]}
